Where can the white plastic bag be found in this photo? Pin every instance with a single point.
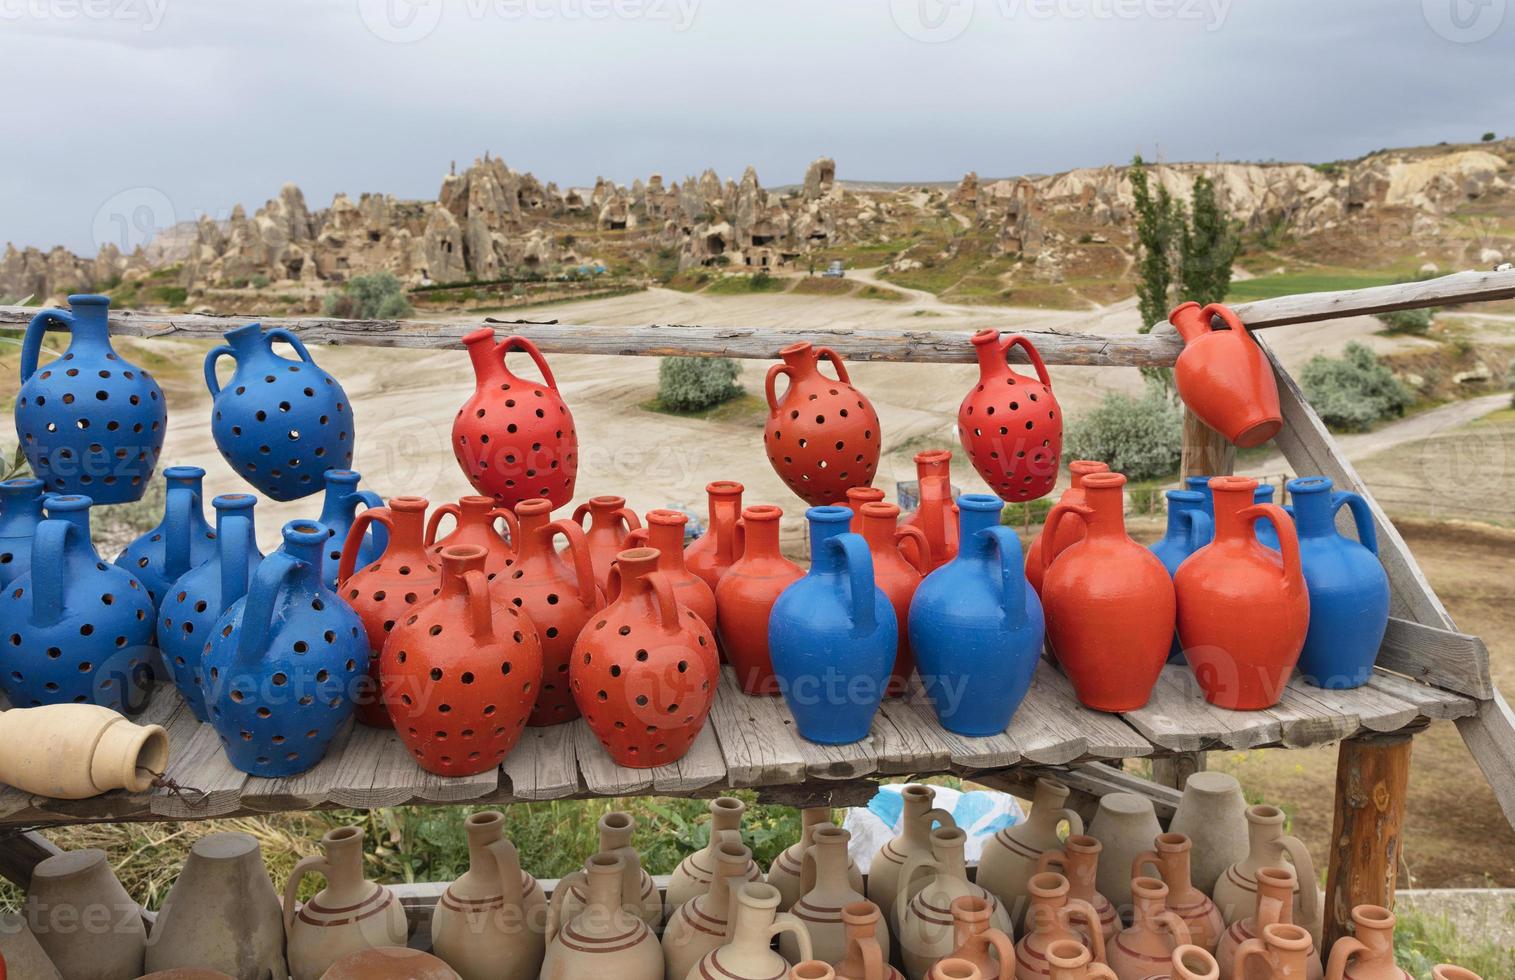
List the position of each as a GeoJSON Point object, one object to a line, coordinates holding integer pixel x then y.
{"type": "Point", "coordinates": [980, 813]}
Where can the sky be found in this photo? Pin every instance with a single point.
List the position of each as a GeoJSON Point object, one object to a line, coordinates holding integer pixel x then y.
{"type": "Point", "coordinates": [128, 115]}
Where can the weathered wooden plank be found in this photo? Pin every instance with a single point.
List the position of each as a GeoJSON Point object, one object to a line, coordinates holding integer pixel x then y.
{"type": "Point", "coordinates": [1177, 717]}
{"type": "Point", "coordinates": [601, 774]}
{"type": "Point", "coordinates": [1052, 723]}
{"type": "Point", "coordinates": [963, 753]}
{"type": "Point", "coordinates": [700, 767]}
{"type": "Point", "coordinates": [544, 764]}
{"type": "Point", "coordinates": [1490, 736]}
{"type": "Point", "coordinates": [909, 741]}
{"type": "Point", "coordinates": [1311, 715]}
{"type": "Point", "coordinates": [1449, 659]}
{"type": "Point", "coordinates": [1458, 287]}
{"type": "Point", "coordinates": [359, 782]}
{"type": "Point", "coordinates": [757, 743]}
{"type": "Point", "coordinates": [310, 788]}
{"type": "Point", "coordinates": [1432, 702]}
{"type": "Point", "coordinates": [198, 764]}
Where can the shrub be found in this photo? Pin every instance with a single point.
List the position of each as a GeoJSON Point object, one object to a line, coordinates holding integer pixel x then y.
{"type": "Point", "coordinates": [1140, 437]}
{"type": "Point", "coordinates": [761, 280]}
{"type": "Point", "coordinates": [259, 281]}
{"type": "Point", "coordinates": [1416, 322]}
{"type": "Point", "coordinates": [1488, 137]}
{"type": "Point", "coordinates": [690, 384]}
{"type": "Point", "coordinates": [1353, 391]}
{"type": "Point", "coordinates": [377, 297]}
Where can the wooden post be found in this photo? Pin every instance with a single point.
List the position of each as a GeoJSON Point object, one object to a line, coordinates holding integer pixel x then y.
{"type": "Point", "coordinates": [1372, 775]}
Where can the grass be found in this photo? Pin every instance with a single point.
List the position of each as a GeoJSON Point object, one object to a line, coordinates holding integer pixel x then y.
{"type": "Point", "coordinates": [1422, 941]}
{"type": "Point", "coordinates": [741, 285]}
{"type": "Point", "coordinates": [880, 293]}
{"type": "Point", "coordinates": [820, 286]}
{"type": "Point", "coordinates": [1314, 281]}
{"type": "Point", "coordinates": [743, 409]}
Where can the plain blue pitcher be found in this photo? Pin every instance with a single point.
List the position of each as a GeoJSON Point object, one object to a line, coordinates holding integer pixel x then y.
{"type": "Point", "coordinates": [20, 512]}
{"type": "Point", "coordinates": [338, 509]}
{"type": "Point", "coordinates": [181, 541]}
{"type": "Point", "coordinates": [1190, 528]}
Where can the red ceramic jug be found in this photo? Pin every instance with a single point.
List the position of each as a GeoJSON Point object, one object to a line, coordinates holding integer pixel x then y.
{"type": "Point", "coordinates": [745, 597]}
{"type": "Point", "coordinates": [475, 527]}
{"type": "Point", "coordinates": [644, 672]}
{"type": "Point", "coordinates": [514, 437]}
{"type": "Point", "coordinates": [462, 673]}
{"type": "Point", "coordinates": [1010, 425]}
{"type": "Point", "coordinates": [1243, 609]}
{"type": "Point", "coordinates": [1108, 602]}
{"type": "Point", "coordinates": [710, 554]}
{"type": "Point", "coordinates": [856, 498]}
{"type": "Point", "coordinates": [382, 592]}
{"type": "Point", "coordinates": [1070, 531]}
{"type": "Point", "coordinates": [1224, 377]}
{"type": "Point", "coordinates": [936, 512]}
{"type": "Point", "coordinates": [557, 596]}
{"type": "Point", "coordinates": [897, 575]}
{"type": "Point", "coordinates": [610, 520]}
{"type": "Point", "coordinates": [823, 435]}
{"type": "Point", "coordinates": [665, 532]}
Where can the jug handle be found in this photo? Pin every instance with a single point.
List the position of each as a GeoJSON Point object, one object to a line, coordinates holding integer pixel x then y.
{"type": "Point", "coordinates": [1057, 858]}
{"type": "Point", "coordinates": [211, 357]}
{"type": "Point", "coordinates": [258, 612]}
{"type": "Point", "coordinates": [369, 499]}
{"type": "Point", "coordinates": [314, 864]}
{"type": "Point", "coordinates": [1004, 947]}
{"type": "Point", "coordinates": [559, 896]}
{"type": "Point", "coordinates": [628, 517]}
{"type": "Point", "coordinates": [235, 547]}
{"type": "Point", "coordinates": [636, 538]}
{"type": "Point", "coordinates": [480, 609]}
{"type": "Point", "coordinates": [1227, 315]}
{"type": "Point", "coordinates": [1367, 533]}
{"type": "Point", "coordinates": [1049, 529]}
{"type": "Point", "coordinates": [517, 342]}
{"type": "Point", "coordinates": [31, 345]}
{"type": "Point", "coordinates": [1143, 859]}
{"type": "Point", "coordinates": [827, 354]}
{"type": "Point", "coordinates": [1166, 919]}
{"type": "Point", "coordinates": [859, 578]}
{"type": "Point", "coordinates": [176, 531]}
{"type": "Point", "coordinates": [1304, 877]}
{"type": "Point", "coordinates": [1256, 947]}
{"type": "Point", "coordinates": [1077, 908]}
{"type": "Point", "coordinates": [279, 333]}
{"type": "Point", "coordinates": [578, 550]}
{"type": "Point", "coordinates": [668, 606]}
{"type": "Point", "coordinates": [909, 532]}
{"type": "Point", "coordinates": [773, 373]}
{"type": "Point", "coordinates": [1201, 529]}
{"type": "Point", "coordinates": [508, 860]}
{"type": "Point", "coordinates": [49, 573]}
{"type": "Point", "coordinates": [1012, 569]}
{"type": "Point", "coordinates": [1288, 537]}
{"type": "Point", "coordinates": [936, 815]}
{"type": "Point", "coordinates": [914, 865]}
{"type": "Point", "coordinates": [1341, 954]}
{"type": "Point", "coordinates": [512, 524]}
{"type": "Point", "coordinates": [435, 519]}
{"type": "Point", "coordinates": [354, 540]}
{"type": "Point", "coordinates": [1074, 821]}
{"type": "Point", "coordinates": [1032, 354]}
{"type": "Point", "coordinates": [786, 922]}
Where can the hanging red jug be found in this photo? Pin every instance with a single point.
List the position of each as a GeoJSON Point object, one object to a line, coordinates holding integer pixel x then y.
{"type": "Point", "coordinates": [514, 437]}
{"type": "Point", "coordinates": [936, 511]}
{"type": "Point", "coordinates": [474, 526]}
{"type": "Point", "coordinates": [1243, 609]}
{"type": "Point", "coordinates": [1069, 531]}
{"type": "Point", "coordinates": [823, 435]}
{"type": "Point", "coordinates": [746, 595]}
{"type": "Point", "coordinates": [1010, 425]}
{"type": "Point", "coordinates": [897, 574]}
{"type": "Point", "coordinates": [710, 554]}
{"type": "Point", "coordinates": [665, 532]}
{"type": "Point", "coordinates": [610, 520]}
{"type": "Point", "coordinates": [1108, 602]}
{"type": "Point", "coordinates": [1224, 376]}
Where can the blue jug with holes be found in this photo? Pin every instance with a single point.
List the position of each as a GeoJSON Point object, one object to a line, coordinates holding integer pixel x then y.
{"type": "Point", "coordinates": [20, 513]}
{"type": "Point", "coordinates": [338, 510]}
{"type": "Point", "coordinates": [181, 541]}
{"type": "Point", "coordinates": [1190, 528]}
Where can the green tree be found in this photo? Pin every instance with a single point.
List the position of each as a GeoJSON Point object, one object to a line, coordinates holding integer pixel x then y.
{"type": "Point", "coordinates": [1157, 219]}
{"type": "Point", "coordinates": [1208, 242]}
{"type": "Point", "coordinates": [1488, 137]}
{"type": "Point", "coordinates": [377, 297]}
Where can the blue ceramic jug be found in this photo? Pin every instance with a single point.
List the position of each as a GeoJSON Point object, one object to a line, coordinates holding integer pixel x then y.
{"type": "Point", "coordinates": [283, 662]}
{"type": "Point", "coordinates": [976, 625]}
{"type": "Point", "coordinates": [90, 422]}
{"type": "Point", "coordinates": [181, 541]}
{"type": "Point", "coordinates": [1190, 528]}
{"type": "Point", "coordinates": [280, 423]}
{"type": "Point", "coordinates": [1262, 495]}
{"type": "Point", "coordinates": [1349, 591]}
{"type": "Point", "coordinates": [193, 603]}
{"type": "Point", "coordinates": [337, 512]}
{"type": "Point", "coordinates": [20, 511]}
{"type": "Point", "coordinates": [833, 634]}
{"type": "Point", "coordinates": [76, 630]}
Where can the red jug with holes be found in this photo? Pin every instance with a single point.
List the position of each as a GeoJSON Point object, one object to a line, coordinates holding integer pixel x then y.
{"type": "Point", "coordinates": [474, 526]}
{"type": "Point", "coordinates": [644, 671]}
{"type": "Point", "coordinates": [665, 532]}
{"type": "Point", "coordinates": [514, 437]}
{"type": "Point", "coordinates": [899, 564]}
{"type": "Point", "coordinates": [710, 554]}
{"type": "Point", "coordinates": [556, 590]}
{"type": "Point", "coordinates": [1224, 376]}
{"type": "Point", "coordinates": [822, 437]}
{"type": "Point", "coordinates": [746, 595]}
{"type": "Point", "coordinates": [463, 673]}
{"type": "Point", "coordinates": [610, 520]}
{"type": "Point", "coordinates": [1010, 425]}
{"type": "Point", "coordinates": [936, 511]}
{"type": "Point", "coordinates": [1069, 531]}
{"type": "Point", "coordinates": [383, 592]}
{"type": "Point", "coordinates": [1243, 609]}
{"type": "Point", "coordinates": [1108, 601]}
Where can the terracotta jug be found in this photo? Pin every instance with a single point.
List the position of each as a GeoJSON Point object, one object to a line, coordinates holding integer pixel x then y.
{"type": "Point", "coordinates": [556, 591]}
{"type": "Point", "coordinates": [68, 893]}
{"type": "Point", "coordinates": [710, 554]}
{"type": "Point", "coordinates": [462, 672]}
{"type": "Point", "coordinates": [389, 963]}
{"type": "Point", "coordinates": [188, 973]}
{"type": "Point", "coordinates": [1367, 954]}
{"type": "Point", "coordinates": [923, 907]}
{"type": "Point", "coordinates": [745, 597]}
{"type": "Point", "coordinates": [20, 951]}
{"type": "Point", "coordinates": [222, 913]}
{"type": "Point", "coordinates": [384, 592]}
{"type": "Point", "coordinates": [603, 939]}
{"type": "Point", "coordinates": [702, 923]}
{"type": "Point", "coordinates": [1055, 915]}
{"type": "Point", "coordinates": [824, 891]}
{"type": "Point", "coordinates": [1170, 858]}
{"type": "Point", "coordinates": [991, 951]}
{"type": "Point", "coordinates": [1010, 424]}
{"type": "Point", "coordinates": [1102, 587]}
{"type": "Point", "coordinates": [1125, 824]}
{"type": "Point", "coordinates": [955, 968]}
{"type": "Point", "coordinates": [491, 923]}
{"type": "Point", "coordinates": [1078, 861]}
{"type": "Point", "coordinates": [76, 751]}
{"type": "Point", "coordinates": [935, 512]}
{"type": "Point", "coordinates": [1446, 971]}
{"type": "Point", "coordinates": [1268, 847]}
{"type": "Point", "coordinates": [349, 914]}
{"type": "Point", "coordinates": [514, 438]}
{"type": "Point", "coordinates": [474, 520]}
{"type": "Point", "coordinates": [1189, 963]}
{"type": "Point", "coordinates": [20, 513]}
{"type": "Point", "coordinates": [1154, 933]}
{"type": "Point", "coordinates": [1069, 960]}
{"type": "Point", "coordinates": [895, 574]}
{"type": "Point", "coordinates": [1070, 532]}
{"type": "Point", "coordinates": [1213, 814]}
{"type": "Point", "coordinates": [610, 521]}
{"type": "Point", "coordinates": [918, 819]}
{"type": "Point", "coordinates": [823, 435]}
{"type": "Point", "coordinates": [665, 532]}
{"type": "Point", "coordinates": [1281, 953]}
{"type": "Point", "coordinates": [785, 871]}
{"type": "Point", "coordinates": [856, 498]}
{"type": "Point", "coordinates": [811, 970]}
{"type": "Point", "coordinates": [1009, 858]}
{"type": "Point", "coordinates": [1243, 608]}
{"type": "Point", "coordinates": [1224, 377]}
{"type": "Point", "coordinates": [697, 873]}
{"type": "Point", "coordinates": [748, 954]}
{"type": "Point", "coordinates": [865, 959]}
{"type": "Point", "coordinates": [1275, 904]}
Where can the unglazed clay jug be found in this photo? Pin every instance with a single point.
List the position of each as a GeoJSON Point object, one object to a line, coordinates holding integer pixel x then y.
{"type": "Point", "coordinates": [610, 521]}
{"type": "Point", "coordinates": [1068, 959]}
{"type": "Point", "coordinates": [1189, 529]}
{"type": "Point", "coordinates": [916, 823]}
{"type": "Point", "coordinates": [491, 923]}
{"type": "Point", "coordinates": [697, 872]}
{"type": "Point", "coordinates": [822, 436]}
{"type": "Point", "coordinates": [90, 421]}
{"type": "Point", "coordinates": [339, 507]}
{"type": "Point", "coordinates": [387, 590]}
{"type": "Point", "coordinates": [1154, 933]}
{"type": "Point", "coordinates": [389, 963]}
{"type": "Point", "coordinates": [896, 575]}
{"type": "Point", "coordinates": [1224, 377]}
{"type": "Point", "coordinates": [221, 914]}
{"type": "Point", "coordinates": [20, 512]}
{"type": "Point", "coordinates": [748, 954]}
{"type": "Point", "coordinates": [181, 540]}
{"type": "Point", "coordinates": [1078, 861]}
{"type": "Point", "coordinates": [1282, 953]}
{"type": "Point", "coordinates": [280, 423]}
{"type": "Point", "coordinates": [1243, 608]}
{"type": "Point", "coordinates": [1446, 971]}
{"type": "Point", "coordinates": [923, 907]}
{"type": "Point", "coordinates": [1188, 963]}
{"type": "Point", "coordinates": [1275, 904]}
{"type": "Point", "coordinates": [1010, 424]}
{"type": "Point", "coordinates": [1213, 814]}
{"type": "Point", "coordinates": [665, 532]}
{"type": "Point", "coordinates": [866, 959]}
{"type": "Point", "coordinates": [977, 627]}
{"type": "Point", "coordinates": [785, 871]}
{"type": "Point", "coordinates": [638, 893]}
{"type": "Point", "coordinates": [702, 923]}
{"type": "Point", "coordinates": [811, 970]}
{"type": "Point", "coordinates": [604, 939]}
{"type": "Point", "coordinates": [644, 671]}
{"type": "Point", "coordinates": [991, 951]}
{"type": "Point", "coordinates": [76, 751]}
{"type": "Point", "coordinates": [935, 510]}
{"type": "Point", "coordinates": [1053, 915]}
{"type": "Point", "coordinates": [1268, 847]}
{"type": "Point", "coordinates": [1069, 532]}
{"type": "Point", "coordinates": [710, 554]}
{"type": "Point", "coordinates": [1009, 858]}
{"type": "Point", "coordinates": [745, 596]}
{"type": "Point", "coordinates": [825, 890]}
{"type": "Point", "coordinates": [462, 672]}
{"type": "Point", "coordinates": [1103, 587]}
{"type": "Point", "coordinates": [1170, 857]}
{"type": "Point", "coordinates": [347, 915]}
{"type": "Point", "coordinates": [1125, 824]}
{"type": "Point", "coordinates": [474, 520]}
{"type": "Point", "coordinates": [68, 892]}
{"type": "Point", "coordinates": [1367, 954]}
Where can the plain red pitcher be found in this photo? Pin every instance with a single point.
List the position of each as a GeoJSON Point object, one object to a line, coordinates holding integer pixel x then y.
{"type": "Point", "coordinates": [1224, 376]}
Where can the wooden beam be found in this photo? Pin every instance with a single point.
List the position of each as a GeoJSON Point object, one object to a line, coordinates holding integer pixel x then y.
{"type": "Point", "coordinates": [21, 852]}
{"type": "Point", "coordinates": [1490, 736]}
{"type": "Point", "coordinates": [1454, 661]}
{"type": "Point", "coordinates": [1372, 777]}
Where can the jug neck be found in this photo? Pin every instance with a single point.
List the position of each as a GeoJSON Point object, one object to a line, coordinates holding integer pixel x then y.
{"type": "Point", "coordinates": [344, 856]}
{"type": "Point", "coordinates": [916, 827]}
{"type": "Point", "coordinates": [991, 356]}
{"type": "Point", "coordinates": [757, 906]}
{"type": "Point", "coordinates": [248, 342]}
{"type": "Point", "coordinates": [408, 534]}
{"type": "Point", "coordinates": [532, 517]}
{"type": "Point", "coordinates": [456, 563]}
{"type": "Point", "coordinates": [1105, 496]}
{"type": "Point", "coordinates": [801, 359]}
{"type": "Point", "coordinates": [21, 501]}
{"type": "Point", "coordinates": [827, 523]}
{"type": "Point", "coordinates": [481, 834]}
{"type": "Point", "coordinates": [341, 487]}
{"type": "Point", "coordinates": [73, 508]}
{"type": "Point", "coordinates": [933, 466]}
{"type": "Point", "coordinates": [1265, 825]}
{"type": "Point", "coordinates": [488, 366]}
{"type": "Point", "coordinates": [1314, 514]}
{"type": "Point", "coordinates": [306, 540]}
{"type": "Point", "coordinates": [1080, 468]}
{"type": "Point", "coordinates": [615, 831]}
{"type": "Point", "coordinates": [91, 321]}
{"type": "Point", "coordinates": [1181, 504]}
{"type": "Point", "coordinates": [604, 883]}
{"type": "Point", "coordinates": [978, 512]}
{"type": "Point", "coordinates": [947, 847]}
{"type": "Point", "coordinates": [761, 531]}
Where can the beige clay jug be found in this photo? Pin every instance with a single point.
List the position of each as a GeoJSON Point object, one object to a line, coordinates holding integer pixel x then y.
{"type": "Point", "coordinates": [1213, 814]}
{"type": "Point", "coordinates": [1155, 932]}
{"type": "Point", "coordinates": [1275, 893]}
{"type": "Point", "coordinates": [222, 913]}
{"type": "Point", "coordinates": [825, 889]}
{"type": "Point", "coordinates": [1188, 963]}
{"type": "Point", "coordinates": [69, 895]}
{"type": "Point", "coordinates": [348, 915]}
{"type": "Point", "coordinates": [991, 951]}
{"type": "Point", "coordinates": [784, 872]}
{"type": "Point", "coordinates": [1069, 959]}
{"type": "Point", "coordinates": [928, 887]}
{"type": "Point", "coordinates": [491, 924]}
{"type": "Point", "coordinates": [1170, 857]}
{"type": "Point", "coordinates": [865, 959]}
{"type": "Point", "coordinates": [695, 873]}
{"type": "Point", "coordinates": [1126, 825]}
{"type": "Point", "coordinates": [914, 838]}
{"type": "Point", "coordinates": [638, 893]}
{"type": "Point", "coordinates": [703, 923]}
{"type": "Point", "coordinates": [749, 955]}
{"type": "Point", "coordinates": [1269, 847]}
{"type": "Point", "coordinates": [75, 751]}
{"type": "Point", "coordinates": [21, 952]}
{"type": "Point", "coordinates": [1055, 916]}
{"type": "Point", "coordinates": [1078, 861]}
{"type": "Point", "coordinates": [1010, 857]}
{"type": "Point", "coordinates": [605, 939]}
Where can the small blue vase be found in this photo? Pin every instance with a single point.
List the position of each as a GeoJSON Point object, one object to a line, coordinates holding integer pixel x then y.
{"type": "Point", "coordinates": [832, 635]}
{"type": "Point", "coordinates": [280, 423]}
{"type": "Point", "coordinates": [338, 510]}
{"type": "Point", "coordinates": [1349, 591]}
{"type": "Point", "coordinates": [283, 662]}
{"type": "Point", "coordinates": [181, 541]}
{"type": "Point", "coordinates": [76, 630]}
{"type": "Point", "coordinates": [90, 422]}
{"type": "Point", "coordinates": [1262, 495]}
{"type": "Point", "coordinates": [189, 610]}
{"type": "Point", "coordinates": [20, 512]}
{"type": "Point", "coordinates": [1190, 528]}
{"type": "Point", "coordinates": [976, 625]}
